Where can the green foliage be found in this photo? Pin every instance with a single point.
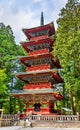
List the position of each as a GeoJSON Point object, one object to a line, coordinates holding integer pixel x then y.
{"type": "Point", "coordinates": [3, 87]}
{"type": "Point", "coordinates": [67, 48]}
{"type": "Point", "coordinates": [2, 82]}
{"type": "Point", "coordinates": [9, 65]}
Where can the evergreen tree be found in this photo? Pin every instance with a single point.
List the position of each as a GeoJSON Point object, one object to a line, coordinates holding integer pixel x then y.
{"type": "Point", "coordinates": [67, 47]}
{"type": "Point", "coordinates": [3, 87]}
{"type": "Point", "coordinates": [9, 53]}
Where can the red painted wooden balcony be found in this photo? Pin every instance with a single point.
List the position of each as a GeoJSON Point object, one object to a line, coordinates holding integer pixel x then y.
{"type": "Point", "coordinates": [36, 68]}
{"type": "Point", "coordinates": [38, 86]}
{"type": "Point", "coordinates": [39, 52]}
{"type": "Point", "coordinates": [39, 38]}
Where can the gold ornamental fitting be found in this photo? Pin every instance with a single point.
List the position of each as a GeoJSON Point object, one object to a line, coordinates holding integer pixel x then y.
{"type": "Point", "coordinates": [51, 24]}
{"type": "Point", "coordinates": [52, 37]}
{"type": "Point", "coordinates": [36, 40]}
{"type": "Point", "coordinates": [34, 73]}
{"type": "Point", "coordinates": [54, 71]}
{"type": "Point", "coordinates": [35, 55]}
{"type": "Point", "coordinates": [33, 94]}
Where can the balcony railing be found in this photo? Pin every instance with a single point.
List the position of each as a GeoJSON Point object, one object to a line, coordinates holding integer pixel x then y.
{"type": "Point", "coordinates": [37, 68]}
{"type": "Point", "coordinates": [39, 52]}
{"type": "Point", "coordinates": [10, 120]}
{"type": "Point", "coordinates": [38, 85]}
{"type": "Point", "coordinates": [56, 118]}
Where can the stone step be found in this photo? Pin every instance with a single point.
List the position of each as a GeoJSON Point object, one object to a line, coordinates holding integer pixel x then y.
{"type": "Point", "coordinates": [48, 124]}
{"type": "Point", "coordinates": [57, 125]}
{"type": "Point", "coordinates": [24, 123]}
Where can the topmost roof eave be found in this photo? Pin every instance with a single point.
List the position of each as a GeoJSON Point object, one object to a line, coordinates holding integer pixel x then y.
{"type": "Point", "coordinates": [38, 28]}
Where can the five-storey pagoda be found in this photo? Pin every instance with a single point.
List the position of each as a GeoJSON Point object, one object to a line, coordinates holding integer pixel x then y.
{"type": "Point", "coordinates": [41, 74]}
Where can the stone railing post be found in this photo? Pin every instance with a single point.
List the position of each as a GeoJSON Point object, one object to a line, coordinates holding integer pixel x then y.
{"type": "Point", "coordinates": [78, 117]}
{"type": "Point", "coordinates": [1, 113]}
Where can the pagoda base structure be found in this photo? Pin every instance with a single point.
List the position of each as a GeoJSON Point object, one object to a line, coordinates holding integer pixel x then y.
{"type": "Point", "coordinates": [39, 108]}
{"type": "Point", "coordinates": [40, 103]}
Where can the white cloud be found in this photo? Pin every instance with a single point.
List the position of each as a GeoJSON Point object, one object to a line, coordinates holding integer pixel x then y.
{"type": "Point", "coordinates": [20, 16]}
{"type": "Point", "coordinates": [38, 1]}
{"type": "Point", "coordinates": [17, 21]}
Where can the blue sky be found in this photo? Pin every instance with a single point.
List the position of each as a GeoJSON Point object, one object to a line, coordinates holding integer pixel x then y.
{"type": "Point", "coordinates": [26, 14]}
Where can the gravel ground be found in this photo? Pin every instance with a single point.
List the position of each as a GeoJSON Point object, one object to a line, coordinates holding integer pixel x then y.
{"type": "Point", "coordinates": [36, 128]}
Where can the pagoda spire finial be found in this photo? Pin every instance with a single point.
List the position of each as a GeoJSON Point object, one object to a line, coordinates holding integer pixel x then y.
{"type": "Point", "coordinates": [42, 19]}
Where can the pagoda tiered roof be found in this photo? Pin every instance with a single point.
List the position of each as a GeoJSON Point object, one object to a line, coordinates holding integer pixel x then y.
{"type": "Point", "coordinates": [31, 45]}
{"type": "Point", "coordinates": [41, 76]}
{"type": "Point", "coordinates": [36, 91]}
{"type": "Point", "coordinates": [47, 29]}
{"type": "Point", "coordinates": [38, 95]}
{"type": "Point", "coordinates": [26, 60]}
